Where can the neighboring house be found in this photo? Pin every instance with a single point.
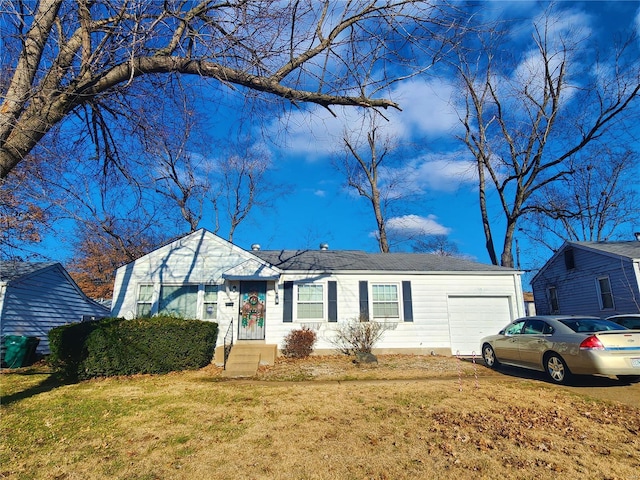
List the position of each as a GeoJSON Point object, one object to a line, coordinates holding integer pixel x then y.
{"type": "Point", "coordinates": [429, 303]}
{"type": "Point", "coordinates": [35, 297]}
{"type": "Point", "coordinates": [590, 278]}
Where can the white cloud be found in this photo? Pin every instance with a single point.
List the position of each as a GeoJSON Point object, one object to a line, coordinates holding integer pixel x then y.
{"type": "Point", "coordinates": [426, 111]}
{"type": "Point", "coordinates": [441, 172]}
{"type": "Point", "coordinates": [320, 193]}
{"type": "Point", "coordinates": [415, 225]}
{"type": "Point", "coordinates": [427, 108]}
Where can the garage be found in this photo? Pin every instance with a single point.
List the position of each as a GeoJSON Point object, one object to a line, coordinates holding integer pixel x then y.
{"type": "Point", "coordinates": [472, 318]}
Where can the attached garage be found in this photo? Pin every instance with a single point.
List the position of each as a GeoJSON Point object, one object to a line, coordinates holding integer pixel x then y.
{"type": "Point", "coordinates": [473, 317]}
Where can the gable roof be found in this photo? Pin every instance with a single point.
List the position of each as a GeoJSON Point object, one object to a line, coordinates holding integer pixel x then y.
{"type": "Point", "coordinates": [627, 249]}
{"type": "Point", "coordinates": [12, 270]}
{"type": "Point", "coordinates": [356, 260]}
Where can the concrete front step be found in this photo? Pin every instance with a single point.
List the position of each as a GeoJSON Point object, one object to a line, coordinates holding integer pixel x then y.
{"type": "Point", "coordinates": [245, 359]}
{"type": "Point", "coordinates": [246, 366]}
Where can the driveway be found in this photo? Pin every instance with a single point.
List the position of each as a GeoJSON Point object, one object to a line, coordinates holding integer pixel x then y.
{"type": "Point", "coordinates": [602, 388]}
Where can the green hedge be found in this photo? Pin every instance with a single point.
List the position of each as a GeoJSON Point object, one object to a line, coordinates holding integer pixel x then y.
{"type": "Point", "coordinates": [115, 346]}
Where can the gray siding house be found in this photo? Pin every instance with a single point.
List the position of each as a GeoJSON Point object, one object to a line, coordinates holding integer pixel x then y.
{"type": "Point", "coordinates": [428, 303]}
{"type": "Point", "coordinates": [590, 278]}
{"type": "Point", "coordinates": [35, 297]}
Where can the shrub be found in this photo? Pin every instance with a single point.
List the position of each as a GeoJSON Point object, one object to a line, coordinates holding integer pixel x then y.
{"type": "Point", "coordinates": [358, 336]}
{"type": "Point", "coordinates": [124, 347]}
{"type": "Point", "coordinates": [299, 343]}
{"type": "Point", "coordinates": [67, 344]}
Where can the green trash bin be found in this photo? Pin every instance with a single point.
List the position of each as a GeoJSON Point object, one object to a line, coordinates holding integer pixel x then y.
{"type": "Point", "coordinates": [19, 350]}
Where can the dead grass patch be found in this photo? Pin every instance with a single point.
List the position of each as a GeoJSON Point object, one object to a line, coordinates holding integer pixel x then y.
{"type": "Point", "coordinates": [404, 418]}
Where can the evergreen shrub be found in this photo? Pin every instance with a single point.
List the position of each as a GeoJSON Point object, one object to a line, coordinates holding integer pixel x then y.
{"type": "Point", "coordinates": [112, 347]}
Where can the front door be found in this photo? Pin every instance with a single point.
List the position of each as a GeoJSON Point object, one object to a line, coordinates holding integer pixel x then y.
{"type": "Point", "coordinates": [253, 296]}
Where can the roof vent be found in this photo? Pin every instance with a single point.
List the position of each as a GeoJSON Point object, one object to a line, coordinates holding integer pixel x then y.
{"type": "Point", "coordinates": [255, 247]}
{"type": "Point", "coordinates": [324, 246]}
{"type": "Point", "coordinates": [637, 235]}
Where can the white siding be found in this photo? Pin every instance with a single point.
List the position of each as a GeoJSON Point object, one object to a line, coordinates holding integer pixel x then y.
{"type": "Point", "coordinates": [200, 258]}
{"type": "Point", "coordinates": [430, 328]}
{"type": "Point", "coordinates": [48, 298]}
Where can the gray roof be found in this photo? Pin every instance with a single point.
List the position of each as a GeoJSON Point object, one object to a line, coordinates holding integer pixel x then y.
{"type": "Point", "coordinates": [355, 260]}
{"type": "Point", "coordinates": [12, 270]}
{"type": "Point", "coordinates": [628, 249]}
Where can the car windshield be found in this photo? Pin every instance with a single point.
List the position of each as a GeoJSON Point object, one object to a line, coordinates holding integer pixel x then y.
{"type": "Point", "coordinates": [590, 325]}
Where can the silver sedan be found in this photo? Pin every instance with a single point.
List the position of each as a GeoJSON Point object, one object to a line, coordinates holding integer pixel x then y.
{"type": "Point", "coordinates": [565, 345]}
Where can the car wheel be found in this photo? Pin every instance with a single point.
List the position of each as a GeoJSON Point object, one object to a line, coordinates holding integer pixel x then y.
{"type": "Point", "coordinates": [489, 356]}
{"type": "Point", "coordinates": [556, 369]}
{"type": "Point", "coordinates": [629, 378]}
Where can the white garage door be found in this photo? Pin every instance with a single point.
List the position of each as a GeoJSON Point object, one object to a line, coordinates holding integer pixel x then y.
{"type": "Point", "coordinates": [471, 318]}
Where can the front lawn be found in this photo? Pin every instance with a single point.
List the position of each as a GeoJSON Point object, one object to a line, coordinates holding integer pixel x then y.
{"type": "Point", "coordinates": [326, 418]}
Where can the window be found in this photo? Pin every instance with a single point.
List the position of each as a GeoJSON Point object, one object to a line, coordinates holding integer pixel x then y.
{"type": "Point", "coordinates": [514, 328]}
{"type": "Point", "coordinates": [569, 261]}
{"type": "Point", "coordinates": [385, 301]}
{"type": "Point", "coordinates": [606, 296]}
{"type": "Point", "coordinates": [537, 327]}
{"type": "Point", "coordinates": [145, 294]}
{"type": "Point", "coordinates": [310, 301]}
{"type": "Point", "coordinates": [179, 300]}
{"type": "Point", "coordinates": [553, 299]}
{"type": "Point", "coordinates": [210, 302]}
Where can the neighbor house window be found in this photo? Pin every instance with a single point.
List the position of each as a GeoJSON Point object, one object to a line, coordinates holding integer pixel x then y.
{"type": "Point", "coordinates": [145, 294]}
{"type": "Point", "coordinates": [385, 301]}
{"type": "Point", "coordinates": [179, 300]}
{"type": "Point", "coordinates": [553, 300]}
{"type": "Point", "coordinates": [310, 303]}
{"type": "Point", "coordinates": [606, 296]}
{"type": "Point", "coordinates": [569, 260]}
{"type": "Point", "coordinates": [210, 301]}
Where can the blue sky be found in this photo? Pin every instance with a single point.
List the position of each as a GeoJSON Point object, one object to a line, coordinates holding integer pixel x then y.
{"type": "Point", "coordinates": [318, 208]}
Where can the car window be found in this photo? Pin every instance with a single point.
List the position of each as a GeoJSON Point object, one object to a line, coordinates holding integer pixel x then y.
{"type": "Point", "coordinates": [514, 328]}
{"type": "Point", "coordinates": [537, 327]}
{"type": "Point", "coordinates": [588, 325]}
{"type": "Point", "coordinates": [629, 322]}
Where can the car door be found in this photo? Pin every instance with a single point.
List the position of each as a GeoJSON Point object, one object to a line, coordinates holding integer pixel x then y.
{"type": "Point", "coordinates": [534, 340]}
{"type": "Point", "coordinates": [506, 346]}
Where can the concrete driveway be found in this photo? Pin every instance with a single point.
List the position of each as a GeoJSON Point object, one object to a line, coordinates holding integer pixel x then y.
{"type": "Point", "coordinates": [602, 388]}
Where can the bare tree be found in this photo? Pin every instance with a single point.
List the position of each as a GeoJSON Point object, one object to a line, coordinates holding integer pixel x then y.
{"type": "Point", "coordinates": [594, 203]}
{"type": "Point", "coordinates": [364, 169]}
{"type": "Point", "coordinates": [177, 175]}
{"type": "Point", "coordinates": [526, 118]}
{"type": "Point", "coordinates": [437, 245]}
{"type": "Point", "coordinates": [244, 183]}
{"type": "Point", "coordinates": [86, 56]}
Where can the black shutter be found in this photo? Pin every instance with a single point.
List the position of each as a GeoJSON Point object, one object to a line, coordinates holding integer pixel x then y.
{"type": "Point", "coordinates": [287, 314]}
{"type": "Point", "coordinates": [406, 301]}
{"type": "Point", "coordinates": [364, 299]}
{"type": "Point", "coordinates": [333, 302]}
